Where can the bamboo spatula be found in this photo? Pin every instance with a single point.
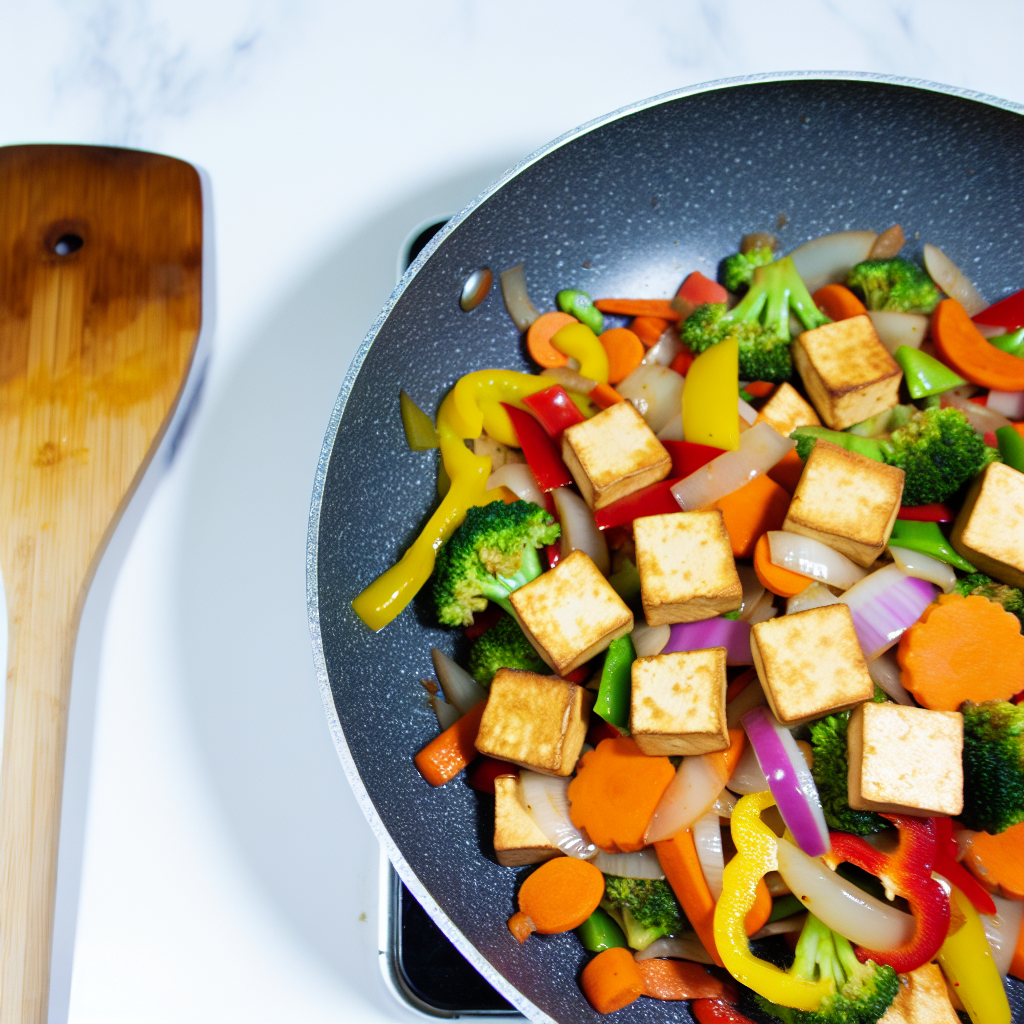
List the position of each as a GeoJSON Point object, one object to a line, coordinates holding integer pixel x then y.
{"type": "Point", "coordinates": [100, 307]}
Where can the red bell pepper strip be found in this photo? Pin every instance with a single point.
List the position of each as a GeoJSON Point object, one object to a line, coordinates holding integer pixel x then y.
{"type": "Point", "coordinates": [555, 410]}
{"type": "Point", "coordinates": [907, 871]}
{"type": "Point", "coordinates": [599, 730]}
{"type": "Point", "coordinates": [934, 513]}
{"type": "Point", "coordinates": [482, 621]}
{"type": "Point", "coordinates": [717, 1011]}
{"type": "Point", "coordinates": [699, 289]}
{"type": "Point", "coordinates": [688, 456]}
{"type": "Point", "coordinates": [654, 500]}
{"type": "Point", "coordinates": [1008, 313]}
{"type": "Point", "coordinates": [484, 770]}
{"type": "Point", "coordinates": [954, 872]}
{"type": "Point", "coordinates": [542, 455]}
{"type": "Point", "coordinates": [981, 400]}
{"type": "Point", "coordinates": [682, 362]}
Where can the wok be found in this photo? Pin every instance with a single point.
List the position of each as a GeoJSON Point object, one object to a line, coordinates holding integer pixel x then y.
{"type": "Point", "coordinates": [624, 206]}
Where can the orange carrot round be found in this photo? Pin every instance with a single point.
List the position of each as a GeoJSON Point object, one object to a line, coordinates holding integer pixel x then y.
{"type": "Point", "coordinates": [538, 339]}
{"type": "Point", "coordinates": [838, 302]}
{"type": "Point", "coordinates": [616, 789]}
{"type": "Point", "coordinates": [678, 979]}
{"type": "Point", "coordinates": [561, 894]}
{"type": "Point", "coordinates": [611, 980]}
{"type": "Point", "coordinates": [962, 648]}
{"type": "Point", "coordinates": [648, 329]}
{"type": "Point", "coordinates": [996, 861]}
{"type": "Point", "coordinates": [773, 577]}
{"type": "Point", "coordinates": [624, 350]}
{"type": "Point", "coordinates": [963, 347]}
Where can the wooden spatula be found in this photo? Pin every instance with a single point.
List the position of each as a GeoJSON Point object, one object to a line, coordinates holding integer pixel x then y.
{"type": "Point", "coordinates": [100, 307]}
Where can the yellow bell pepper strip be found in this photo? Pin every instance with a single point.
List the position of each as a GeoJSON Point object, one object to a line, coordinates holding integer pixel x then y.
{"type": "Point", "coordinates": [966, 958]}
{"type": "Point", "coordinates": [711, 397]}
{"type": "Point", "coordinates": [755, 856]}
{"type": "Point", "coordinates": [580, 342]}
{"type": "Point", "coordinates": [474, 402]}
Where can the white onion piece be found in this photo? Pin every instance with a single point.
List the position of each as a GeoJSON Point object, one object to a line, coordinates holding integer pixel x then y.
{"type": "Point", "coordinates": [517, 301]}
{"type": "Point", "coordinates": [827, 260]}
{"type": "Point", "coordinates": [748, 777]}
{"type": "Point", "coordinates": [693, 789]}
{"type": "Point", "coordinates": [641, 864]}
{"type": "Point", "coordinates": [980, 417]}
{"type": "Point", "coordinates": [447, 714]}
{"type": "Point", "coordinates": [460, 689]}
{"type": "Point", "coordinates": [817, 595]}
{"type": "Point", "coordinates": [863, 919]}
{"type": "Point", "coordinates": [751, 696]}
{"type": "Point", "coordinates": [764, 609]}
{"type": "Point", "coordinates": [924, 567]}
{"type": "Point", "coordinates": [707, 837]}
{"type": "Point", "coordinates": [519, 479]}
{"type": "Point", "coordinates": [657, 393]}
{"type": "Point", "coordinates": [795, 923]}
{"type": "Point", "coordinates": [570, 379]}
{"type": "Point", "coordinates": [761, 447]}
{"type": "Point", "coordinates": [547, 802]}
{"type": "Point", "coordinates": [725, 804]}
{"type": "Point", "coordinates": [753, 589]}
{"type": "Point", "coordinates": [810, 557]}
{"type": "Point", "coordinates": [664, 350]}
{"type": "Point", "coordinates": [885, 674]}
{"type": "Point", "coordinates": [1008, 403]}
{"type": "Point", "coordinates": [747, 412]}
{"type": "Point", "coordinates": [895, 329]}
{"type": "Point", "coordinates": [676, 947]}
{"type": "Point", "coordinates": [649, 640]}
{"type": "Point", "coordinates": [952, 280]}
{"type": "Point", "coordinates": [579, 531]}
{"type": "Point", "coordinates": [673, 430]}
{"type": "Point", "coordinates": [884, 605]}
{"type": "Point", "coordinates": [1002, 930]}
{"type": "Point", "coordinates": [991, 330]}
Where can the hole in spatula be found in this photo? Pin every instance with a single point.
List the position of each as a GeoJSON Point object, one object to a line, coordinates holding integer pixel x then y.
{"type": "Point", "coordinates": [67, 244]}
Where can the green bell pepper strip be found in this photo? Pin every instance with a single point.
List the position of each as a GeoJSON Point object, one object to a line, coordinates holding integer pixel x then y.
{"type": "Point", "coordinates": [419, 430]}
{"type": "Point", "coordinates": [1011, 448]}
{"type": "Point", "coordinates": [613, 695]}
{"type": "Point", "coordinates": [1012, 342]}
{"type": "Point", "coordinates": [928, 539]}
{"type": "Point", "coordinates": [580, 305]}
{"type": "Point", "coordinates": [924, 374]}
{"type": "Point", "coordinates": [600, 932]}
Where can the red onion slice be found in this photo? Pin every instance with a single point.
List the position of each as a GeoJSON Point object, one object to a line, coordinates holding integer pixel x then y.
{"type": "Point", "coordinates": [884, 605]}
{"type": "Point", "coordinates": [789, 780]}
{"type": "Point", "coordinates": [732, 634]}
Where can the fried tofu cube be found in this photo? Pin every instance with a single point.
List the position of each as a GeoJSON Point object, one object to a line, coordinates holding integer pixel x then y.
{"type": "Point", "coordinates": [678, 703]}
{"type": "Point", "coordinates": [989, 531]}
{"type": "Point", "coordinates": [517, 840]}
{"type": "Point", "coordinates": [614, 454]}
{"type": "Point", "coordinates": [786, 410]}
{"type": "Point", "coordinates": [847, 501]}
{"type": "Point", "coordinates": [571, 613]}
{"type": "Point", "coordinates": [847, 371]}
{"type": "Point", "coordinates": [537, 722]}
{"type": "Point", "coordinates": [810, 663]}
{"type": "Point", "coordinates": [687, 570]}
{"type": "Point", "coordinates": [905, 760]}
{"type": "Point", "coordinates": [922, 999]}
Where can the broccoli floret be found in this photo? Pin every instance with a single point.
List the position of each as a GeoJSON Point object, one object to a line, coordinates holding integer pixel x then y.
{"type": "Point", "coordinates": [978, 583]}
{"type": "Point", "coordinates": [646, 908]}
{"type": "Point", "coordinates": [491, 554]}
{"type": "Point", "coordinates": [993, 765]}
{"type": "Point", "coordinates": [895, 284]}
{"type": "Point", "coordinates": [760, 323]}
{"type": "Point", "coordinates": [862, 994]}
{"type": "Point", "coordinates": [738, 269]}
{"type": "Point", "coordinates": [504, 645]}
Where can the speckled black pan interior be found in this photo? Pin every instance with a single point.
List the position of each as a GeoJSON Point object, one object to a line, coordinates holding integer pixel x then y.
{"type": "Point", "coordinates": [624, 209]}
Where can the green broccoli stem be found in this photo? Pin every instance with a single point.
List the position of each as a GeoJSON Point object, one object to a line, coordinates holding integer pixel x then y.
{"type": "Point", "coordinates": [814, 931]}
{"type": "Point", "coordinates": [529, 569]}
{"type": "Point", "coordinates": [776, 289]}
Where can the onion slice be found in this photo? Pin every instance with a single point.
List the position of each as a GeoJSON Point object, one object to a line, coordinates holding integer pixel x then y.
{"type": "Point", "coordinates": [571, 380]}
{"type": "Point", "coordinates": [885, 674]}
{"type": "Point", "coordinates": [547, 802]}
{"type": "Point", "coordinates": [447, 714]}
{"type": "Point", "coordinates": [1007, 403]}
{"type": "Point", "coordinates": [656, 392]}
{"type": "Point", "coordinates": [896, 329]}
{"type": "Point", "coordinates": [748, 777]}
{"type": "Point", "coordinates": [732, 634]}
{"type": "Point", "coordinates": [725, 804]}
{"type": "Point", "coordinates": [640, 864]}
{"type": "Point", "coordinates": [665, 349]}
{"type": "Point", "coordinates": [751, 696]}
{"type": "Point", "coordinates": [789, 780]}
{"type": "Point", "coordinates": [460, 689]}
{"type": "Point", "coordinates": [817, 595]}
{"type": "Point", "coordinates": [924, 567]}
{"type": "Point", "coordinates": [810, 557]}
{"type": "Point", "coordinates": [747, 412]}
{"type": "Point", "coordinates": [676, 947]}
{"type": "Point", "coordinates": [707, 837]}
{"type": "Point", "coordinates": [827, 260]}
{"type": "Point", "coordinates": [795, 923]}
{"type": "Point", "coordinates": [764, 609]}
{"type": "Point", "coordinates": [1002, 930]}
{"type": "Point", "coordinates": [753, 589]}
{"type": "Point", "coordinates": [517, 300]}
{"type": "Point", "coordinates": [649, 640]}
{"type": "Point", "coordinates": [981, 417]}
{"type": "Point", "coordinates": [519, 479]}
{"type": "Point", "coordinates": [579, 531]}
{"type": "Point", "coordinates": [884, 606]}
{"type": "Point", "coordinates": [673, 430]}
{"type": "Point", "coordinates": [761, 447]}
{"type": "Point", "coordinates": [693, 790]}
{"type": "Point", "coordinates": [952, 280]}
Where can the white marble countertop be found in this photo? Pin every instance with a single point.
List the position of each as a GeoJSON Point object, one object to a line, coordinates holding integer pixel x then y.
{"type": "Point", "coordinates": [216, 868]}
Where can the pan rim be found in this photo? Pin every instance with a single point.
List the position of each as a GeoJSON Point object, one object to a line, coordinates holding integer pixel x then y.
{"type": "Point", "coordinates": [401, 865]}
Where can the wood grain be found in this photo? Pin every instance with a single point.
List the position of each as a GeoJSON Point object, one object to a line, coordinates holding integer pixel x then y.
{"type": "Point", "coordinates": [95, 346]}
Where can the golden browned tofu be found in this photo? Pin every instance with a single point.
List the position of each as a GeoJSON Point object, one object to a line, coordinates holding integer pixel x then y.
{"type": "Point", "coordinates": [687, 570]}
{"type": "Point", "coordinates": [786, 410]}
{"type": "Point", "coordinates": [846, 501]}
{"type": "Point", "coordinates": [810, 664]}
{"type": "Point", "coordinates": [570, 613]}
{"type": "Point", "coordinates": [678, 703]}
{"type": "Point", "coordinates": [847, 371]}
{"type": "Point", "coordinates": [534, 721]}
{"type": "Point", "coordinates": [614, 454]}
{"type": "Point", "coordinates": [905, 760]}
{"type": "Point", "coordinates": [922, 999]}
{"type": "Point", "coordinates": [989, 531]}
{"type": "Point", "coordinates": [517, 840]}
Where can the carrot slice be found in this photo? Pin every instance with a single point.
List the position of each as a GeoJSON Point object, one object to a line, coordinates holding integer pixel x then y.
{"type": "Point", "coordinates": [786, 472]}
{"type": "Point", "coordinates": [963, 347]}
{"type": "Point", "coordinates": [520, 925]}
{"type": "Point", "coordinates": [538, 339]}
{"type": "Point", "coordinates": [773, 577]}
{"type": "Point", "coordinates": [446, 755]}
{"type": "Point", "coordinates": [561, 894]}
{"type": "Point", "coordinates": [604, 397]}
{"type": "Point", "coordinates": [756, 507]}
{"type": "Point", "coordinates": [725, 761]}
{"type": "Point", "coordinates": [624, 350]}
{"type": "Point", "coordinates": [682, 362]}
{"type": "Point", "coordinates": [698, 289]}
{"type": "Point", "coordinates": [611, 980]}
{"type": "Point", "coordinates": [678, 979]}
{"type": "Point", "coordinates": [997, 863]}
{"type": "Point", "coordinates": [616, 789]}
{"type": "Point", "coordinates": [648, 328]}
{"type": "Point", "coordinates": [660, 308]}
{"type": "Point", "coordinates": [837, 302]}
{"type": "Point", "coordinates": [962, 648]}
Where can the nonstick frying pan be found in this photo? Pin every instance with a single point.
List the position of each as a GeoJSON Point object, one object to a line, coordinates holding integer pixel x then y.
{"type": "Point", "coordinates": [624, 206]}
